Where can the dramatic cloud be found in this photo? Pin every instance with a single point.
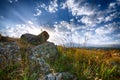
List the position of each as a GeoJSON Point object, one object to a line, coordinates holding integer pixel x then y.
{"type": "Point", "coordinates": [67, 21]}
{"type": "Point", "coordinates": [20, 29]}
{"type": "Point", "coordinates": [77, 8]}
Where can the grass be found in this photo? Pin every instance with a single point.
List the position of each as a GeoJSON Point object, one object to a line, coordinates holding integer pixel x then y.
{"type": "Point", "coordinates": [88, 64]}
{"type": "Point", "coordinates": [85, 64]}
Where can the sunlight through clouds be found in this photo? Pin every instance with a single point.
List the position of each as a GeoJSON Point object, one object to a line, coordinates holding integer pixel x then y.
{"type": "Point", "coordinates": [67, 21]}
{"type": "Point", "coordinates": [20, 29]}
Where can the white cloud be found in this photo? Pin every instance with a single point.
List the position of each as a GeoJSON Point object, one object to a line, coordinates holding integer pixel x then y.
{"type": "Point", "coordinates": [64, 33]}
{"type": "Point", "coordinates": [98, 40]}
{"type": "Point", "coordinates": [71, 33]}
{"type": "Point", "coordinates": [78, 8]}
{"type": "Point", "coordinates": [38, 12]}
{"type": "Point", "coordinates": [111, 16]}
{"type": "Point", "coordinates": [19, 29]}
{"type": "Point", "coordinates": [63, 5]}
{"type": "Point", "coordinates": [30, 22]}
{"type": "Point", "coordinates": [88, 21]}
{"type": "Point", "coordinates": [94, 19]}
{"type": "Point", "coordinates": [108, 18]}
{"type": "Point", "coordinates": [117, 35]}
{"type": "Point", "coordinates": [106, 29]}
{"type": "Point", "coordinates": [112, 5]}
{"type": "Point", "coordinates": [11, 1]}
{"type": "Point", "coordinates": [90, 16]}
{"type": "Point", "coordinates": [52, 7]}
{"type": "Point", "coordinates": [62, 26]}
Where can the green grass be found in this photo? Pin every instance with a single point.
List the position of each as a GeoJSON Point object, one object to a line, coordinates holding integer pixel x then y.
{"type": "Point", "coordinates": [85, 64]}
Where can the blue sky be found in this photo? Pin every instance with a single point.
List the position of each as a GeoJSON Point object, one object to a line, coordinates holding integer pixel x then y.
{"type": "Point", "coordinates": [94, 22]}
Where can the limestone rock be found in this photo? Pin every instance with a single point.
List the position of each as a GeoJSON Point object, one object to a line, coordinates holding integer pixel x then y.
{"type": "Point", "coordinates": [35, 39]}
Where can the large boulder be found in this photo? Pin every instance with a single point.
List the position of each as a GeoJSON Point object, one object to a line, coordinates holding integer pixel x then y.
{"type": "Point", "coordinates": [43, 52]}
{"type": "Point", "coordinates": [46, 50]}
{"type": "Point", "coordinates": [35, 39]}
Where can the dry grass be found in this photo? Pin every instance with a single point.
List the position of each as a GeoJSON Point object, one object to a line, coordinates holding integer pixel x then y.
{"type": "Point", "coordinates": [89, 64]}
{"type": "Point", "coordinates": [86, 64]}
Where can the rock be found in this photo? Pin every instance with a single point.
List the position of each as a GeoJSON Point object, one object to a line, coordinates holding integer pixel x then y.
{"type": "Point", "coordinates": [35, 39]}
{"type": "Point", "coordinates": [58, 76]}
{"type": "Point", "coordinates": [42, 52]}
{"type": "Point", "coordinates": [55, 76]}
{"type": "Point", "coordinates": [30, 38]}
{"type": "Point", "coordinates": [46, 50]}
{"type": "Point", "coordinates": [43, 37]}
{"type": "Point", "coordinates": [9, 50]}
{"type": "Point", "coordinates": [68, 76]}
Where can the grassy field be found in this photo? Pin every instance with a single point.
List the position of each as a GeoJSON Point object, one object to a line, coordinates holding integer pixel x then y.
{"type": "Point", "coordinates": [86, 64]}
{"type": "Point", "coordinates": [89, 64]}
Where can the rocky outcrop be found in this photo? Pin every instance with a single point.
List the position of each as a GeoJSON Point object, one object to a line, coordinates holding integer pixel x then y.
{"type": "Point", "coordinates": [43, 37]}
{"type": "Point", "coordinates": [44, 51]}
{"type": "Point", "coordinates": [47, 51]}
{"type": "Point", "coordinates": [35, 39]}
{"type": "Point", "coordinates": [38, 55]}
{"type": "Point", "coordinates": [9, 50]}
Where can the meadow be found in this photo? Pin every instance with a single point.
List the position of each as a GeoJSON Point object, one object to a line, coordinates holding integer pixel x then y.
{"type": "Point", "coordinates": [85, 64]}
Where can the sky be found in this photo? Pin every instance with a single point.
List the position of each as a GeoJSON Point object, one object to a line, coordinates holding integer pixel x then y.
{"type": "Point", "coordinates": [69, 22]}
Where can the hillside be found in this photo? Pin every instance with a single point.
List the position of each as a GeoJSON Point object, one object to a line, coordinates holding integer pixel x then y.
{"type": "Point", "coordinates": [23, 60]}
